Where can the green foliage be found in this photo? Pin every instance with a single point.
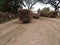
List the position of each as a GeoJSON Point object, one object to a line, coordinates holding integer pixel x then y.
{"type": "Point", "coordinates": [1, 3]}
{"type": "Point", "coordinates": [5, 4]}
{"type": "Point", "coordinates": [46, 10]}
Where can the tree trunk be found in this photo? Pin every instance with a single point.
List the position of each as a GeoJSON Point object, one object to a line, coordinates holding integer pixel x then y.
{"type": "Point", "coordinates": [56, 9]}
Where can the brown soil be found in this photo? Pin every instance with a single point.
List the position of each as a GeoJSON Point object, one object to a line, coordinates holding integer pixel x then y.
{"type": "Point", "coordinates": [43, 31]}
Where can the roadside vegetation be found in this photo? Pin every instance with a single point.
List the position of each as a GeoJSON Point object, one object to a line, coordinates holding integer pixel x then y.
{"type": "Point", "coordinates": [9, 10]}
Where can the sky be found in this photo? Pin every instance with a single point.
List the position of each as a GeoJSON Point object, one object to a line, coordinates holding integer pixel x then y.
{"type": "Point", "coordinates": [40, 6]}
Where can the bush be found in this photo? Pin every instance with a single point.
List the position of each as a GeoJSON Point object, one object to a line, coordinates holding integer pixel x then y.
{"type": "Point", "coordinates": [5, 16]}
{"type": "Point", "coordinates": [53, 14]}
{"type": "Point", "coordinates": [36, 15]}
{"type": "Point", "coordinates": [44, 12]}
{"type": "Point", "coordinates": [25, 15]}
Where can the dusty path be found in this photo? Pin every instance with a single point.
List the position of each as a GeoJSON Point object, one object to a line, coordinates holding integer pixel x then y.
{"type": "Point", "coordinates": [43, 31]}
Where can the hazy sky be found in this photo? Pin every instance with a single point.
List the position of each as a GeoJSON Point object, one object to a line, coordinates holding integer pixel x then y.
{"type": "Point", "coordinates": [41, 6]}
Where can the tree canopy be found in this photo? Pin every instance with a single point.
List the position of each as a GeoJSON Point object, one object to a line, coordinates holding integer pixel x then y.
{"type": "Point", "coordinates": [15, 4]}
{"type": "Point", "coordinates": [30, 3]}
{"type": "Point", "coordinates": [53, 3]}
{"type": "Point", "coordinates": [12, 4]}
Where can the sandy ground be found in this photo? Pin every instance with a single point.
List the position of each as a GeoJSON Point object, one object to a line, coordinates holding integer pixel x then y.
{"type": "Point", "coordinates": [43, 31]}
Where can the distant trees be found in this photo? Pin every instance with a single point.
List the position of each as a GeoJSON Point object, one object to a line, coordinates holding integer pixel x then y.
{"type": "Point", "coordinates": [46, 9]}
{"type": "Point", "coordinates": [45, 12]}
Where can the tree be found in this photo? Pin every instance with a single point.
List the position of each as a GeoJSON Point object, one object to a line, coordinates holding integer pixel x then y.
{"type": "Point", "coordinates": [53, 3]}
{"type": "Point", "coordinates": [14, 5]}
{"type": "Point", "coordinates": [30, 3]}
{"type": "Point", "coordinates": [1, 3]}
{"type": "Point", "coordinates": [11, 5]}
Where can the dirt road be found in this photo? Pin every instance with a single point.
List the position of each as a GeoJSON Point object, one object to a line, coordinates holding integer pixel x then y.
{"type": "Point", "coordinates": [43, 31]}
